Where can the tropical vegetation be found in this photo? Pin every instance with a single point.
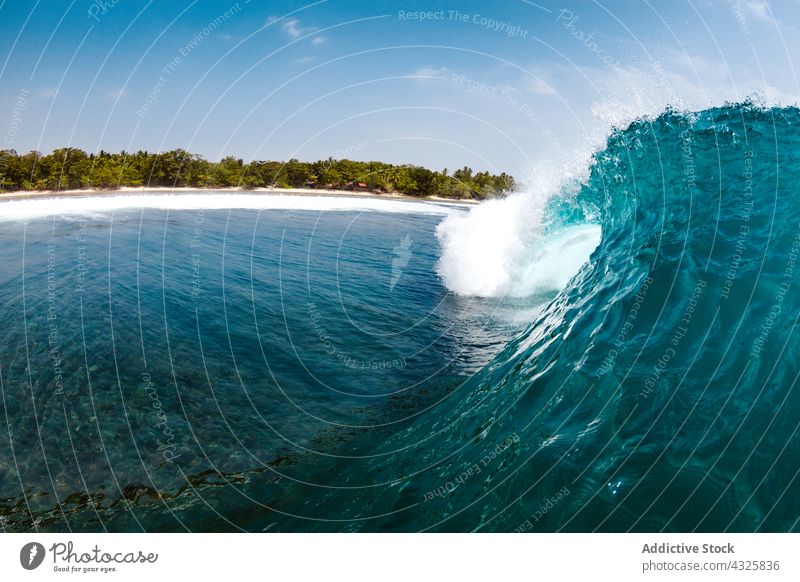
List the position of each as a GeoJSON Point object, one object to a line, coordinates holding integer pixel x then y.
{"type": "Point", "coordinates": [69, 168]}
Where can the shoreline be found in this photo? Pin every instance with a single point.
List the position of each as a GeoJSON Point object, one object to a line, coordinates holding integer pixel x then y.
{"type": "Point", "coordinates": [131, 190]}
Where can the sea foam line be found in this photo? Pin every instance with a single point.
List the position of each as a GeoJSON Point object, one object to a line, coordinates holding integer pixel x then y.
{"type": "Point", "coordinates": [90, 205]}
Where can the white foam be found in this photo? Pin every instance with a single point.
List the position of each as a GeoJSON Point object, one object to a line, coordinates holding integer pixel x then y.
{"type": "Point", "coordinates": [482, 249]}
{"type": "Point", "coordinates": [556, 260]}
{"type": "Point", "coordinates": [500, 248]}
{"type": "Point", "coordinates": [93, 205]}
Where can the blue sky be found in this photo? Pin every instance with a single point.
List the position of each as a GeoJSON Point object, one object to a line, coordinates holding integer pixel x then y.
{"type": "Point", "coordinates": [505, 86]}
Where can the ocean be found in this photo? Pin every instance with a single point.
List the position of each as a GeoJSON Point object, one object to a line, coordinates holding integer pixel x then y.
{"type": "Point", "coordinates": [615, 354]}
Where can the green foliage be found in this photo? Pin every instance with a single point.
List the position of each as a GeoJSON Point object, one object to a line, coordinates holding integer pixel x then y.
{"type": "Point", "coordinates": [69, 168]}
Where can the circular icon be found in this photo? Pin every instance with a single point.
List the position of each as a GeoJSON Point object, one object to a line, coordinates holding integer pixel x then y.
{"type": "Point", "coordinates": [31, 555]}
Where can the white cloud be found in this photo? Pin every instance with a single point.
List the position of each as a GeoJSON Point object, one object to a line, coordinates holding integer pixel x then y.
{"type": "Point", "coordinates": [758, 9]}
{"type": "Point", "coordinates": [538, 87]}
{"type": "Point", "coordinates": [116, 94]}
{"type": "Point", "coordinates": [292, 28]}
{"type": "Point", "coordinates": [295, 30]}
{"type": "Point", "coordinates": [47, 93]}
{"type": "Point", "coordinates": [430, 73]}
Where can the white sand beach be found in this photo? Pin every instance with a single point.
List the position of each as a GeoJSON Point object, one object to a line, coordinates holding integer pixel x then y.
{"type": "Point", "coordinates": [127, 190]}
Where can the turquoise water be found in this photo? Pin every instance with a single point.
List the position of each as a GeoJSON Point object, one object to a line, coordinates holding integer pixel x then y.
{"type": "Point", "coordinates": [316, 374]}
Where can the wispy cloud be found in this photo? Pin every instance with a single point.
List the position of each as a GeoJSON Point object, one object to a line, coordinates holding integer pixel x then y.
{"type": "Point", "coordinates": [116, 93]}
{"type": "Point", "coordinates": [47, 93]}
{"type": "Point", "coordinates": [430, 73]}
{"type": "Point", "coordinates": [758, 9]}
{"type": "Point", "coordinates": [538, 87]}
{"type": "Point", "coordinates": [294, 30]}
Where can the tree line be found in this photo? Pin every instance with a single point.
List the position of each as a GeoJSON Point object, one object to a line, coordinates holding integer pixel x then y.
{"type": "Point", "coordinates": [69, 168]}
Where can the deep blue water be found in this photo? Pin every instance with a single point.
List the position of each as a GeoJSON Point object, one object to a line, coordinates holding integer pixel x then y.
{"type": "Point", "coordinates": [150, 351]}
{"type": "Point", "coordinates": [304, 390]}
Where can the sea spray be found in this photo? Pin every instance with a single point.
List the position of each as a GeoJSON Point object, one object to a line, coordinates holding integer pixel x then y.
{"type": "Point", "coordinates": [507, 247]}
